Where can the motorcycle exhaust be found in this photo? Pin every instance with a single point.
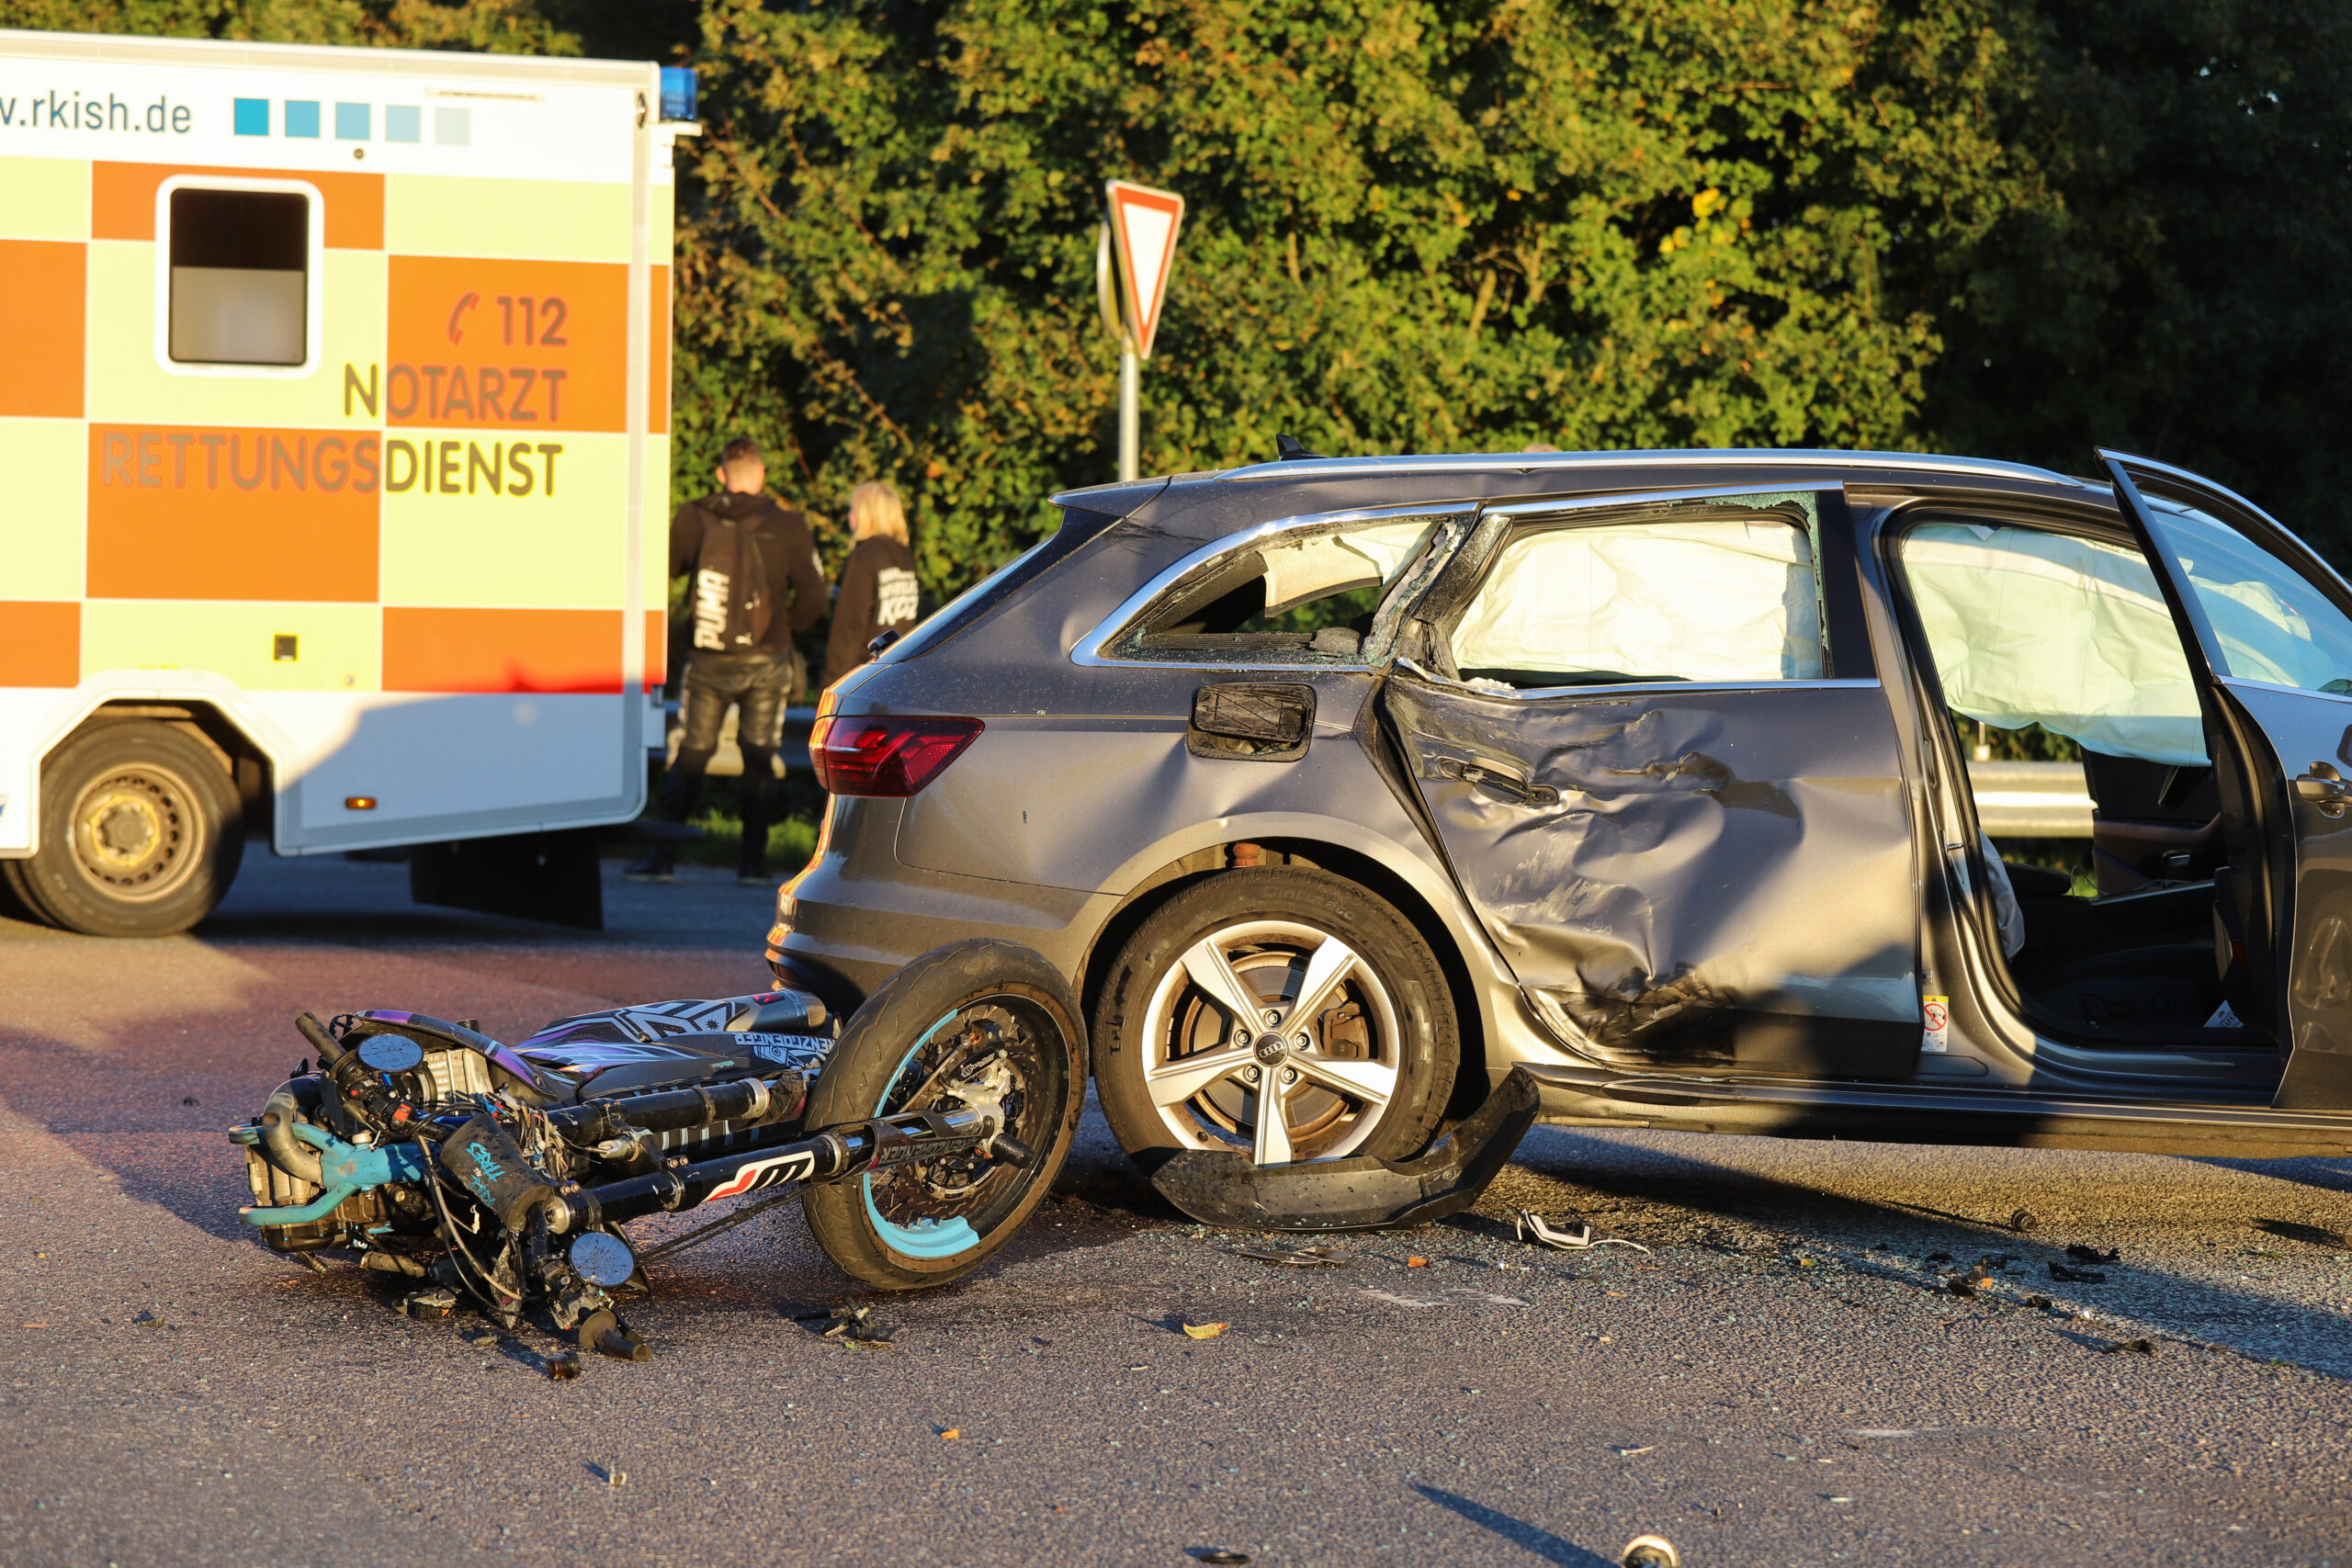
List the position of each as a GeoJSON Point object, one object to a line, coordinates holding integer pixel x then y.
{"type": "Point", "coordinates": [1224, 1188]}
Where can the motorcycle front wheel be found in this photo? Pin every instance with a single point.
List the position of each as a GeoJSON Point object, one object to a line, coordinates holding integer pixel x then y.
{"type": "Point", "coordinates": [979, 1024]}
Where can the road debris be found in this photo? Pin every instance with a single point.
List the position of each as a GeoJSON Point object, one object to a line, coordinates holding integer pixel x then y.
{"type": "Point", "coordinates": [1628, 1453]}
{"type": "Point", "coordinates": [1416, 1263]}
{"type": "Point", "coordinates": [1649, 1551]}
{"type": "Point", "coordinates": [1296, 1257]}
{"type": "Point", "coordinates": [2078, 1253]}
{"type": "Point", "coordinates": [2025, 1222]}
{"type": "Point", "coordinates": [951, 1434]}
{"type": "Point", "coordinates": [604, 1332]}
{"type": "Point", "coordinates": [2139, 1347]}
{"type": "Point", "coordinates": [1219, 1555]}
{"type": "Point", "coordinates": [562, 1367]}
{"type": "Point", "coordinates": [855, 1325]}
{"type": "Point", "coordinates": [480, 1338]}
{"type": "Point", "coordinates": [2066, 1276]}
{"type": "Point", "coordinates": [1567, 1233]}
{"type": "Point", "coordinates": [433, 1304]}
{"type": "Point", "coordinates": [1203, 1330]}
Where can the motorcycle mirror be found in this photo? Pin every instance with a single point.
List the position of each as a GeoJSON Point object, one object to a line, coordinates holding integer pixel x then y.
{"type": "Point", "coordinates": [390, 1054]}
{"type": "Point", "coordinates": [603, 1260]}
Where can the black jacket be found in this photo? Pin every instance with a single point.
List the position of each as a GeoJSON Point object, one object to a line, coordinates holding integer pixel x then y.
{"type": "Point", "coordinates": [876, 594]}
{"type": "Point", "coordinates": [793, 589]}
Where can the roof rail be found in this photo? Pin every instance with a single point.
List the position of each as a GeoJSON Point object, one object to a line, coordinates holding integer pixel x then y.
{"type": "Point", "coordinates": [1570, 462]}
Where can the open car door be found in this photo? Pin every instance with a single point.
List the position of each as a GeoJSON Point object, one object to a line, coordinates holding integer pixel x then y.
{"type": "Point", "coordinates": [1651, 742]}
{"type": "Point", "coordinates": [2269, 629]}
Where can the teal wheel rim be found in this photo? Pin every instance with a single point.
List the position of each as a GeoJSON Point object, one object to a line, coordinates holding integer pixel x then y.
{"type": "Point", "coordinates": [925, 1237]}
{"type": "Point", "coordinates": [988, 1190]}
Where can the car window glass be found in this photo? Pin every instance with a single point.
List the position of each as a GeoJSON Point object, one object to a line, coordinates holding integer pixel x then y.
{"type": "Point", "coordinates": [2028, 626]}
{"type": "Point", "coordinates": [1697, 598]}
{"type": "Point", "coordinates": [1309, 598]}
{"type": "Point", "coordinates": [2272, 623]}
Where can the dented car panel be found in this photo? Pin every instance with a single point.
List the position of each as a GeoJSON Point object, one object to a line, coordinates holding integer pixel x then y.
{"type": "Point", "coordinates": [1708, 878]}
{"type": "Point", "coordinates": [1741, 885]}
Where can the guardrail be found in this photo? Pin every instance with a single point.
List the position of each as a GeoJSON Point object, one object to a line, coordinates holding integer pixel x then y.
{"type": "Point", "coordinates": [2032, 800]}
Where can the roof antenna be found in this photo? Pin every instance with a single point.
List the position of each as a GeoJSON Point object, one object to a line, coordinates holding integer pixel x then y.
{"type": "Point", "coordinates": [1288, 450]}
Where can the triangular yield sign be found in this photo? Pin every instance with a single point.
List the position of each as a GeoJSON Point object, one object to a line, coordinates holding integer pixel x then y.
{"type": "Point", "coordinates": [1143, 224]}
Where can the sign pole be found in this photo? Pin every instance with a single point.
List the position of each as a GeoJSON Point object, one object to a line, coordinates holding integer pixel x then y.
{"type": "Point", "coordinates": [1130, 412]}
{"type": "Point", "coordinates": [1142, 233]}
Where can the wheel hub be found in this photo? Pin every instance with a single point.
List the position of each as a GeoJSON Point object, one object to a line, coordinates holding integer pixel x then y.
{"type": "Point", "coordinates": [1271, 1048]}
{"type": "Point", "coordinates": [133, 834]}
{"type": "Point", "coordinates": [125, 831]}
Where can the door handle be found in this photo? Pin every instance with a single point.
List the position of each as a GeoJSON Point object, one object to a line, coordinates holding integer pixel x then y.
{"type": "Point", "coordinates": [2324, 788]}
{"type": "Point", "coordinates": [1497, 781]}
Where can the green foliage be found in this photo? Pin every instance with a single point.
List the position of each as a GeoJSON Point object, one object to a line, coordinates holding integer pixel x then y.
{"type": "Point", "coordinates": [2184, 297]}
{"type": "Point", "coordinates": [2031, 744]}
{"type": "Point", "coordinates": [1437, 226]}
{"type": "Point", "coordinates": [2008, 226]}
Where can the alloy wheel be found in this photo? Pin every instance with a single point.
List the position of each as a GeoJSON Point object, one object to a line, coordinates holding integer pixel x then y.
{"type": "Point", "coordinates": [1275, 1035]}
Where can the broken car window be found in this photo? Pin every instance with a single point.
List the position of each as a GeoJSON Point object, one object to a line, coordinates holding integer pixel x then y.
{"type": "Point", "coordinates": [1302, 598]}
{"type": "Point", "coordinates": [1687, 599]}
{"type": "Point", "coordinates": [2272, 623]}
{"type": "Point", "coordinates": [2028, 626]}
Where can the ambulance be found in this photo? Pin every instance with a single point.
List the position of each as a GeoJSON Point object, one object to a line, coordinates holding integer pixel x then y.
{"type": "Point", "coordinates": [334, 423]}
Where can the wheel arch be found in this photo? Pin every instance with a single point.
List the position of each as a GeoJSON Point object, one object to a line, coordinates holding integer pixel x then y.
{"type": "Point", "coordinates": [207, 707]}
{"type": "Point", "coordinates": [249, 766]}
{"type": "Point", "coordinates": [1350, 864]}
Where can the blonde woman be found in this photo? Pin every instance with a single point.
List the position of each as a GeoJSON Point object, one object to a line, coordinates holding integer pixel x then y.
{"type": "Point", "coordinates": [877, 592]}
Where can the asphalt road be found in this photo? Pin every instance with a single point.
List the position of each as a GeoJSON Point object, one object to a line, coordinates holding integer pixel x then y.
{"type": "Point", "coordinates": [1779, 1378]}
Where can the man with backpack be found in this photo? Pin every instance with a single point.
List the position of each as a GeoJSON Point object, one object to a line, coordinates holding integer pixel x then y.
{"type": "Point", "coordinates": [753, 581]}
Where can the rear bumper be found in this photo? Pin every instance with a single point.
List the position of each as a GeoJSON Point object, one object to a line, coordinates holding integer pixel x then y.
{"type": "Point", "coordinates": [840, 937]}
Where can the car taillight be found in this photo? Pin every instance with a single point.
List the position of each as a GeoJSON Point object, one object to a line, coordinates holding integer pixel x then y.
{"type": "Point", "coordinates": [886, 755]}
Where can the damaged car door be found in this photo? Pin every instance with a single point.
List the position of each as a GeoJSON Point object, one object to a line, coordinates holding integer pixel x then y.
{"type": "Point", "coordinates": [2269, 630]}
{"type": "Point", "coordinates": [1674, 798]}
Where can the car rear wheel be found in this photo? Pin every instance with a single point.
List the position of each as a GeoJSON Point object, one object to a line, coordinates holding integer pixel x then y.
{"type": "Point", "coordinates": [1282, 1012]}
{"type": "Point", "coordinates": [141, 834]}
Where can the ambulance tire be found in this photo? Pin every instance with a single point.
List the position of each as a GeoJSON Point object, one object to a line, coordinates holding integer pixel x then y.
{"type": "Point", "coordinates": [140, 833]}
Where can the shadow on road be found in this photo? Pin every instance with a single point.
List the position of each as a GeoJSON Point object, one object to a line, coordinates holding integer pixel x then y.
{"type": "Point", "coordinates": [1518, 1533]}
{"type": "Point", "coordinates": [2250, 1323]}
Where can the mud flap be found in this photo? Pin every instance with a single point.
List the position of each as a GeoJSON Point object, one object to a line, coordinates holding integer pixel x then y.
{"type": "Point", "coordinates": [1223, 1188]}
{"type": "Point", "coordinates": [552, 876]}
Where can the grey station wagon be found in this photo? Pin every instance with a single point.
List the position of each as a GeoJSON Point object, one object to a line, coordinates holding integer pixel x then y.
{"type": "Point", "coordinates": [1338, 787]}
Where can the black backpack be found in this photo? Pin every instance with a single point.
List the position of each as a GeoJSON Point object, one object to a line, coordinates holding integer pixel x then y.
{"type": "Point", "coordinates": [727, 600]}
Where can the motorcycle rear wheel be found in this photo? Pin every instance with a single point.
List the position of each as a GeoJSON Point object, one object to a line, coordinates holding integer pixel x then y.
{"type": "Point", "coordinates": [993, 1020]}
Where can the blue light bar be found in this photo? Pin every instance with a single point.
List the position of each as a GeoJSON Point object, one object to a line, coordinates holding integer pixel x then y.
{"type": "Point", "coordinates": [678, 92]}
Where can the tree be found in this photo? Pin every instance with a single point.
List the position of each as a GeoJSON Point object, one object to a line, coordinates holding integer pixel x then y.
{"type": "Point", "coordinates": [2184, 297]}
{"type": "Point", "coordinates": [1412, 226]}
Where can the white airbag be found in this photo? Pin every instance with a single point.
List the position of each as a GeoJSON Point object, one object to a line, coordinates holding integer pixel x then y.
{"type": "Point", "coordinates": [2031, 627]}
{"type": "Point", "coordinates": [1722, 598]}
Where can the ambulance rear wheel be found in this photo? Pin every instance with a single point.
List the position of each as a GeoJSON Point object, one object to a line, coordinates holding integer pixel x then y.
{"type": "Point", "coordinates": [140, 833]}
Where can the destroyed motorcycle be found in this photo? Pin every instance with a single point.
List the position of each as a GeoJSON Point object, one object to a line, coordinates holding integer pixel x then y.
{"type": "Point", "coordinates": [920, 1137]}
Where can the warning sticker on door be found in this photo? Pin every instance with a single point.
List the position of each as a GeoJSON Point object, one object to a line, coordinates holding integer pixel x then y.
{"type": "Point", "coordinates": [1934, 1013]}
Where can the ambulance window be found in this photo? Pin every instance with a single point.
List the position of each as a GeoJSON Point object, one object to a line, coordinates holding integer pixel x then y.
{"type": "Point", "coordinates": [239, 264]}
